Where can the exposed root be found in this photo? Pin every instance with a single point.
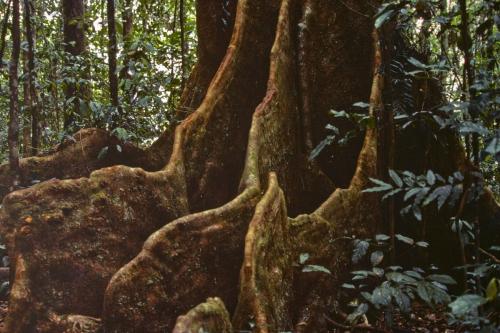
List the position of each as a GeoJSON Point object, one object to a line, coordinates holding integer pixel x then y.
{"type": "Point", "coordinates": [188, 260]}
{"type": "Point", "coordinates": [265, 295]}
{"type": "Point", "coordinates": [209, 317]}
{"type": "Point", "coordinates": [246, 250]}
{"type": "Point", "coordinates": [97, 224]}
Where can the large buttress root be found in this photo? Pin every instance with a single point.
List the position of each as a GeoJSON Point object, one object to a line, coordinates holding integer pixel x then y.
{"type": "Point", "coordinates": [266, 290]}
{"type": "Point", "coordinates": [244, 251]}
{"type": "Point", "coordinates": [79, 157]}
{"type": "Point", "coordinates": [188, 260]}
{"type": "Point", "coordinates": [105, 209]}
{"type": "Point", "coordinates": [266, 299]}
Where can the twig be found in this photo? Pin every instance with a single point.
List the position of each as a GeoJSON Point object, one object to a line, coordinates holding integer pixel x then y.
{"type": "Point", "coordinates": [353, 10]}
{"type": "Point", "coordinates": [355, 327]}
{"type": "Point", "coordinates": [489, 255]}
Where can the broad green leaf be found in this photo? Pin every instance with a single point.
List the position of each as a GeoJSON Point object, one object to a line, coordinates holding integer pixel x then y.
{"type": "Point", "coordinates": [303, 258]}
{"type": "Point", "coordinates": [381, 237]}
{"type": "Point", "coordinates": [492, 290]}
{"type": "Point", "coordinates": [466, 304]}
{"type": "Point", "coordinates": [360, 249]}
{"type": "Point", "coordinates": [383, 17]}
{"type": "Point", "coordinates": [445, 279]}
{"type": "Point", "coordinates": [316, 268]}
{"type": "Point", "coordinates": [348, 286]}
{"type": "Point", "coordinates": [405, 239]}
{"type": "Point", "coordinates": [376, 258]}
{"type": "Point", "coordinates": [431, 177]}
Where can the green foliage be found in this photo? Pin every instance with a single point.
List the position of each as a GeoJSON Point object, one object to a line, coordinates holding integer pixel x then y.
{"type": "Point", "coordinates": [382, 288]}
{"type": "Point", "coordinates": [149, 70]}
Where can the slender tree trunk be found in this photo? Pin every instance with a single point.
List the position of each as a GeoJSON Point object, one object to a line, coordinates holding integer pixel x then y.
{"type": "Point", "coordinates": [3, 34]}
{"type": "Point", "coordinates": [182, 23]}
{"type": "Point", "coordinates": [13, 133]}
{"type": "Point", "coordinates": [27, 107]}
{"type": "Point", "coordinates": [112, 50]}
{"type": "Point", "coordinates": [74, 45]}
{"type": "Point", "coordinates": [35, 106]}
{"type": "Point", "coordinates": [128, 25]}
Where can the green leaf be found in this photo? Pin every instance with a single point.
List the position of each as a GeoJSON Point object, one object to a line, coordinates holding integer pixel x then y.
{"type": "Point", "coordinates": [303, 258]}
{"type": "Point", "coordinates": [382, 186]}
{"type": "Point", "coordinates": [382, 237]}
{"type": "Point", "coordinates": [381, 296]}
{"type": "Point", "coordinates": [492, 290]}
{"type": "Point", "coordinates": [395, 177]}
{"type": "Point", "coordinates": [417, 63]}
{"type": "Point", "coordinates": [376, 258]}
{"type": "Point", "coordinates": [431, 177]}
{"type": "Point", "coordinates": [411, 193]}
{"type": "Point", "coordinates": [360, 249]}
{"type": "Point", "coordinates": [348, 286]}
{"type": "Point", "coordinates": [316, 268]}
{"type": "Point", "coordinates": [357, 313]}
{"type": "Point", "coordinates": [466, 304]}
{"type": "Point", "coordinates": [405, 239]}
{"type": "Point", "coordinates": [445, 279]}
{"type": "Point", "coordinates": [422, 244]}
{"type": "Point", "coordinates": [322, 145]}
{"type": "Point", "coordinates": [392, 193]}
{"type": "Point", "coordinates": [399, 277]}
{"type": "Point", "coordinates": [362, 105]}
{"type": "Point", "coordinates": [383, 17]}
{"type": "Point", "coordinates": [378, 271]}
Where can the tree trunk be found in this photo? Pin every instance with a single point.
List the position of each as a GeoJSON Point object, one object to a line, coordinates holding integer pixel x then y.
{"type": "Point", "coordinates": [35, 106]}
{"type": "Point", "coordinates": [112, 75]}
{"type": "Point", "coordinates": [75, 46]}
{"type": "Point", "coordinates": [206, 218]}
{"type": "Point", "coordinates": [13, 131]}
{"type": "Point", "coordinates": [3, 34]}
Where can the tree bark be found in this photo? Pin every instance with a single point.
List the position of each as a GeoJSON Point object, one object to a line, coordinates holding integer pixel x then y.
{"type": "Point", "coordinates": [236, 203]}
{"type": "Point", "coordinates": [13, 131]}
{"type": "Point", "coordinates": [112, 74]}
{"type": "Point", "coordinates": [75, 46]}
{"type": "Point", "coordinates": [35, 106]}
{"type": "Point", "coordinates": [3, 34]}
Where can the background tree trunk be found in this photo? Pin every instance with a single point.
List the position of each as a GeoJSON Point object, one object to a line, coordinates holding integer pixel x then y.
{"type": "Point", "coordinates": [112, 74]}
{"type": "Point", "coordinates": [13, 133]}
{"type": "Point", "coordinates": [75, 45]}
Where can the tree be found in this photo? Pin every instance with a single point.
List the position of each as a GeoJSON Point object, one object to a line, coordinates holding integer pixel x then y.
{"type": "Point", "coordinates": [206, 214]}
{"type": "Point", "coordinates": [14, 94]}
{"type": "Point", "coordinates": [75, 46]}
{"type": "Point", "coordinates": [112, 49]}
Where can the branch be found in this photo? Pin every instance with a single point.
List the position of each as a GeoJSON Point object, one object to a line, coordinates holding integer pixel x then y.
{"type": "Point", "coordinates": [490, 255]}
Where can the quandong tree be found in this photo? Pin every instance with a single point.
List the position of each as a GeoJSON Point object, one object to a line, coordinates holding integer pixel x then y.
{"type": "Point", "coordinates": [202, 229]}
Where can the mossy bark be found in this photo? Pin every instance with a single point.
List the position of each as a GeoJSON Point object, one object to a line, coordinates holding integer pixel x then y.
{"type": "Point", "coordinates": [129, 249]}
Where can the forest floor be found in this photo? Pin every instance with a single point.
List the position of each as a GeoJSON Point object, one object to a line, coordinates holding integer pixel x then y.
{"type": "Point", "coordinates": [422, 319]}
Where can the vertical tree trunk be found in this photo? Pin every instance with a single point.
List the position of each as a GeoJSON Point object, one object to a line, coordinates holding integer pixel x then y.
{"type": "Point", "coordinates": [35, 101]}
{"type": "Point", "coordinates": [5, 21]}
{"type": "Point", "coordinates": [182, 23]}
{"type": "Point", "coordinates": [128, 25]}
{"type": "Point", "coordinates": [13, 134]}
{"type": "Point", "coordinates": [75, 45]}
{"type": "Point", "coordinates": [27, 107]}
{"type": "Point", "coordinates": [112, 76]}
